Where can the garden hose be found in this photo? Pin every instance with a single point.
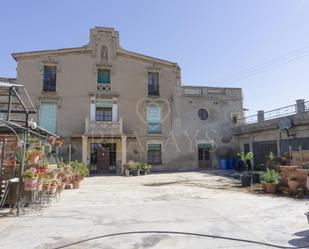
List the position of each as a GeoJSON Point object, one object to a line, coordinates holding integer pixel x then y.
{"type": "Point", "coordinates": [182, 233]}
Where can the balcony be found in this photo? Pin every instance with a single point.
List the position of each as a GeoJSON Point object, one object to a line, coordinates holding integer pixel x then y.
{"type": "Point", "coordinates": [103, 128]}
{"type": "Point", "coordinates": [104, 88]}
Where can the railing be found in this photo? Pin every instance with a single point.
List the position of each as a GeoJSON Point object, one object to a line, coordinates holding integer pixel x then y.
{"type": "Point", "coordinates": [190, 91]}
{"type": "Point", "coordinates": [272, 114]}
{"type": "Point", "coordinates": [247, 120]}
{"type": "Point", "coordinates": [306, 106]}
{"type": "Point", "coordinates": [103, 127]}
{"type": "Point", "coordinates": [103, 87]}
{"type": "Point", "coordinates": [280, 112]}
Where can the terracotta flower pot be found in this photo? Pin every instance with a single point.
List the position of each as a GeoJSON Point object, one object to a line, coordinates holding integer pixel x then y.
{"type": "Point", "coordinates": [271, 188]}
{"type": "Point", "coordinates": [46, 187]}
{"type": "Point", "coordinates": [293, 185]}
{"type": "Point", "coordinates": [76, 184]}
{"type": "Point", "coordinates": [62, 186]}
{"type": "Point", "coordinates": [30, 184]}
{"type": "Point", "coordinates": [54, 176]}
{"type": "Point", "coordinates": [40, 185]}
{"type": "Point", "coordinates": [52, 189]}
{"type": "Point", "coordinates": [34, 159]}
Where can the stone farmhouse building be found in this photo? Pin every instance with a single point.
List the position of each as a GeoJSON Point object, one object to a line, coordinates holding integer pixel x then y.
{"type": "Point", "coordinates": [112, 105]}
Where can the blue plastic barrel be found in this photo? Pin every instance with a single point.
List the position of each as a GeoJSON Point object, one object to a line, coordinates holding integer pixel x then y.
{"type": "Point", "coordinates": [224, 164]}
{"type": "Point", "coordinates": [232, 163]}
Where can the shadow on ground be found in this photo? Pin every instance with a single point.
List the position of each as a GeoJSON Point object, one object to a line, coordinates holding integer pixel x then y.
{"type": "Point", "coordinates": [302, 241]}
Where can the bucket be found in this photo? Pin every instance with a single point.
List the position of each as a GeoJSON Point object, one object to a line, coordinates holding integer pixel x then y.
{"type": "Point", "coordinates": [224, 164]}
{"type": "Point", "coordinates": [232, 164]}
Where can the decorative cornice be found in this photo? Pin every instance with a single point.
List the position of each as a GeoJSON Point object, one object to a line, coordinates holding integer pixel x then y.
{"type": "Point", "coordinates": [148, 59]}
{"type": "Point", "coordinates": [52, 52]}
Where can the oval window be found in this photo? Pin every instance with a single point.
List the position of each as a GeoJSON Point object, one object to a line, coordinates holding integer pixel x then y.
{"type": "Point", "coordinates": [203, 114]}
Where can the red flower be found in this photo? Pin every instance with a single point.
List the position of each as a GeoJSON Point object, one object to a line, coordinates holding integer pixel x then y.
{"type": "Point", "coordinates": [10, 162]}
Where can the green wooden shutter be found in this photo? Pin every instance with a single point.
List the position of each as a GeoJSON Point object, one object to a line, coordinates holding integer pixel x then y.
{"type": "Point", "coordinates": [104, 76]}
{"type": "Point", "coordinates": [154, 119]}
{"type": "Point", "coordinates": [48, 116]}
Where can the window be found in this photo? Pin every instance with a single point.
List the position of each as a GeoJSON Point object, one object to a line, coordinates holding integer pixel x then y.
{"type": "Point", "coordinates": [203, 152]}
{"type": "Point", "coordinates": [49, 79]}
{"type": "Point", "coordinates": [48, 116]}
{"type": "Point", "coordinates": [104, 76]}
{"type": "Point", "coordinates": [246, 148]}
{"type": "Point", "coordinates": [103, 114]}
{"type": "Point", "coordinates": [202, 114]}
{"type": "Point", "coordinates": [153, 84]}
{"type": "Point", "coordinates": [154, 153]}
{"type": "Point", "coordinates": [154, 119]}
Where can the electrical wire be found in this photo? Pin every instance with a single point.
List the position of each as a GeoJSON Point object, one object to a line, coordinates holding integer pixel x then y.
{"type": "Point", "coordinates": [181, 233]}
{"type": "Point", "coordinates": [275, 62]}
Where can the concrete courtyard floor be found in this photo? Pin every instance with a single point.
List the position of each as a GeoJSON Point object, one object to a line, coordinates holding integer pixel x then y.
{"type": "Point", "coordinates": [195, 202]}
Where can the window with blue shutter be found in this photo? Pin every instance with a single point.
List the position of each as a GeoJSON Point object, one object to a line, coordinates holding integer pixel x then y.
{"type": "Point", "coordinates": [104, 76]}
{"type": "Point", "coordinates": [48, 116]}
{"type": "Point", "coordinates": [154, 119]}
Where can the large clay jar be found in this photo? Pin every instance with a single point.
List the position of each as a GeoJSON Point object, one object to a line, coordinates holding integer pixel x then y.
{"type": "Point", "coordinates": [271, 188]}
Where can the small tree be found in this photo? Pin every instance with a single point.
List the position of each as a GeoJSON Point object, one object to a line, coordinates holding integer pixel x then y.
{"type": "Point", "coordinates": [246, 158]}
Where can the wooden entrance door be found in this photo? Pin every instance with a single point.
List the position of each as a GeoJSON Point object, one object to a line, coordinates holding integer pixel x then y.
{"type": "Point", "coordinates": [103, 159]}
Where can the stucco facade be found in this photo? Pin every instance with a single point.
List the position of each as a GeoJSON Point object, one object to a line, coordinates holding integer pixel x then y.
{"type": "Point", "coordinates": [78, 96]}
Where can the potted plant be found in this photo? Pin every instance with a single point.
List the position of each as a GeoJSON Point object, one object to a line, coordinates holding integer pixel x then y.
{"type": "Point", "coordinates": [33, 155]}
{"type": "Point", "coordinates": [293, 184]}
{"type": "Point", "coordinates": [52, 140]}
{"type": "Point", "coordinates": [80, 171]}
{"type": "Point", "coordinates": [30, 179]}
{"type": "Point", "coordinates": [129, 167]}
{"type": "Point", "coordinates": [53, 174]}
{"type": "Point", "coordinates": [270, 162]}
{"type": "Point", "coordinates": [53, 187]}
{"type": "Point", "coordinates": [137, 169]}
{"type": "Point", "coordinates": [270, 180]}
{"type": "Point", "coordinates": [145, 168]}
{"type": "Point", "coordinates": [46, 184]}
{"type": "Point", "coordinates": [59, 142]}
{"type": "Point", "coordinates": [126, 170]}
{"type": "Point", "coordinates": [62, 186]}
{"type": "Point", "coordinates": [246, 177]}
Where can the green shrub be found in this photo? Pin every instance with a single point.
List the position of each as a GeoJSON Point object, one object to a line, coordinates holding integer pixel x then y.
{"type": "Point", "coordinates": [270, 176]}
{"type": "Point", "coordinates": [79, 168]}
{"type": "Point", "coordinates": [145, 167]}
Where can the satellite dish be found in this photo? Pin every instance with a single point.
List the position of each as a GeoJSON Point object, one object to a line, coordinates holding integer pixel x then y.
{"type": "Point", "coordinates": [285, 124]}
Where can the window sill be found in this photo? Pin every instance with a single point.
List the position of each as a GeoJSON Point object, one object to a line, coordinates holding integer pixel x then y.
{"type": "Point", "coordinates": [155, 134]}
{"type": "Point", "coordinates": [46, 92]}
{"type": "Point", "coordinates": [154, 96]}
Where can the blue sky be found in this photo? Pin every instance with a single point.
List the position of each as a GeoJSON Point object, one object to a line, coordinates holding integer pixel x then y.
{"type": "Point", "coordinates": [261, 46]}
